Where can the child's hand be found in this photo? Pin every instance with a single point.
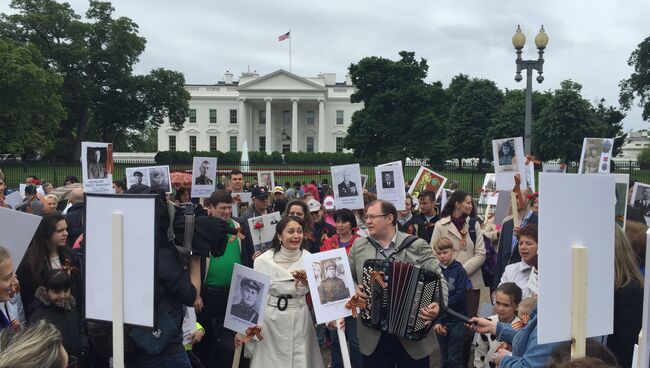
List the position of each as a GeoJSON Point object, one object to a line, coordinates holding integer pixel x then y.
{"type": "Point", "coordinates": [440, 329]}
{"type": "Point", "coordinates": [198, 304]}
{"type": "Point", "coordinates": [197, 336]}
{"type": "Point", "coordinates": [500, 354]}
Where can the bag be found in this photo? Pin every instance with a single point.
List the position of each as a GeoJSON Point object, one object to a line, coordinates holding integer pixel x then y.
{"type": "Point", "coordinates": [490, 265]}
{"type": "Point", "coordinates": [154, 341]}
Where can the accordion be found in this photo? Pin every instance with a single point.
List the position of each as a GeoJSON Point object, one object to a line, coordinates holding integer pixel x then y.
{"type": "Point", "coordinates": [396, 292]}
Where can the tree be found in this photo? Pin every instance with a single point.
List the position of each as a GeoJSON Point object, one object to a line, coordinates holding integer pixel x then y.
{"type": "Point", "coordinates": [402, 115]}
{"type": "Point", "coordinates": [30, 105]}
{"type": "Point", "coordinates": [612, 119]}
{"type": "Point", "coordinates": [638, 84]}
{"type": "Point", "coordinates": [563, 124]}
{"type": "Point", "coordinates": [471, 116]}
{"type": "Point", "coordinates": [102, 98]}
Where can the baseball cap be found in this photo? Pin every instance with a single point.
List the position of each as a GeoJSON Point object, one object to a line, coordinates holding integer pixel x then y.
{"type": "Point", "coordinates": [313, 205]}
{"type": "Point", "coordinates": [278, 189]}
{"type": "Point", "coordinates": [260, 193]}
{"type": "Point", "coordinates": [329, 203]}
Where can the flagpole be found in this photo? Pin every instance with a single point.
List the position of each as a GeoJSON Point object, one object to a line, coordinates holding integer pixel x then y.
{"type": "Point", "coordinates": [290, 51]}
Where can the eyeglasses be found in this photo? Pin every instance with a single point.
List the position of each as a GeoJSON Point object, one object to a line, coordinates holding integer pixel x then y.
{"type": "Point", "coordinates": [372, 217]}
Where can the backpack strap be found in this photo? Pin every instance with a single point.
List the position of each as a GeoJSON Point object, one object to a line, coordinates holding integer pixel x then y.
{"type": "Point", "coordinates": [171, 210]}
{"type": "Point", "coordinates": [188, 234]}
{"type": "Point", "coordinates": [410, 239]}
{"type": "Point", "coordinates": [472, 230]}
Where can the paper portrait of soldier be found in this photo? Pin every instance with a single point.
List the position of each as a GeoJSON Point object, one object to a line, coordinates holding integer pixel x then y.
{"type": "Point", "coordinates": [204, 172]}
{"type": "Point", "coordinates": [596, 156]}
{"type": "Point", "coordinates": [246, 299]}
{"type": "Point", "coordinates": [348, 190]}
{"type": "Point", "coordinates": [266, 179]}
{"type": "Point", "coordinates": [505, 159]}
{"type": "Point", "coordinates": [240, 203]}
{"type": "Point", "coordinates": [509, 159]}
{"type": "Point", "coordinates": [427, 179]}
{"type": "Point", "coordinates": [135, 175]}
{"type": "Point", "coordinates": [489, 194]}
{"type": "Point", "coordinates": [262, 230]}
{"type": "Point", "coordinates": [387, 180]}
{"type": "Point", "coordinates": [330, 283]}
{"type": "Point", "coordinates": [390, 183]}
{"type": "Point", "coordinates": [97, 167]}
{"type": "Point", "coordinates": [156, 177]}
{"type": "Point", "coordinates": [641, 199]}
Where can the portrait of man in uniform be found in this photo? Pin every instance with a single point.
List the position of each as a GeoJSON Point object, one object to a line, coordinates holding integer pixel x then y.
{"type": "Point", "coordinates": [331, 287]}
{"type": "Point", "coordinates": [96, 163]}
{"type": "Point", "coordinates": [158, 179]}
{"type": "Point", "coordinates": [347, 188]}
{"type": "Point", "coordinates": [137, 177]}
{"type": "Point", "coordinates": [246, 308]}
{"type": "Point", "coordinates": [203, 178]}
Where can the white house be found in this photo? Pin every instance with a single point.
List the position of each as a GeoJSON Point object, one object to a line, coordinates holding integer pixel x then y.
{"type": "Point", "coordinates": [279, 111]}
{"type": "Point", "coordinates": [634, 143]}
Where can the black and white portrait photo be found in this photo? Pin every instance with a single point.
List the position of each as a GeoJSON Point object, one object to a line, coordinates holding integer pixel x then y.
{"type": "Point", "coordinates": [641, 199]}
{"type": "Point", "coordinates": [387, 180]}
{"type": "Point", "coordinates": [203, 178]}
{"type": "Point", "coordinates": [331, 287]}
{"type": "Point", "coordinates": [347, 188]}
{"type": "Point", "coordinates": [159, 179]}
{"type": "Point", "coordinates": [247, 306]}
{"type": "Point", "coordinates": [97, 167]}
{"type": "Point", "coordinates": [97, 162]}
{"type": "Point", "coordinates": [506, 155]}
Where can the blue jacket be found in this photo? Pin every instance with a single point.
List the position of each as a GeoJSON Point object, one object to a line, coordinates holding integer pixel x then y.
{"type": "Point", "coordinates": [526, 352]}
{"type": "Point", "coordinates": [458, 283]}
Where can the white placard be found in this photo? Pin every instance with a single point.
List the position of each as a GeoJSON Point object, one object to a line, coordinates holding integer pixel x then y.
{"type": "Point", "coordinates": [266, 179]}
{"type": "Point", "coordinates": [204, 176]}
{"type": "Point", "coordinates": [554, 168]}
{"type": "Point", "coordinates": [97, 167]}
{"type": "Point", "coordinates": [644, 351]}
{"type": "Point", "coordinates": [427, 179]}
{"type": "Point", "coordinates": [569, 216]}
{"type": "Point", "coordinates": [330, 284]}
{"type": "Point", "coordinates": [262, 230]}
{"type": "Point", "coordinates": [596, 156]}
{"type": "Point", "coordinates": [189, 325]}
{"type": "Point", "coordinates": [509, 160]}
{"type": "Point", "coordinates": [156, 177]}
{"type": "Point", "coordinates": [530, 176]}
{"type": "Point", "coordinates": [249, 290]}
{"type": "Point", "coordinates": [641, 198]}
{"type": "Point", "coordinates": [503, 206]}
{"type": "Point", "coordinates": [348, 190]}
{"type": "Point", "coordinates": [240, 202]}
{"type": "Point", "coordinates": [16, 232]}
{"type": "Point", "coordinates": [364, 181]}
{"type": "Point", "coordinates": [138, 212]}
{"type": "Point", "coordinates": [14, 200]}
{"type": "Point", "coordinates": [489, 193]}
{"type": "Point", "coordinates": [390, 184]}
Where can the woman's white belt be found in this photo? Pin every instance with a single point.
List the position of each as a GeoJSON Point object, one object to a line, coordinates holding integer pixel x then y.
{"type": "Point", "coordinates": [282, 302]}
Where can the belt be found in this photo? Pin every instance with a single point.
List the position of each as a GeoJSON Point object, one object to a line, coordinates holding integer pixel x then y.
{"type": "Point", "coordinates": [282, 302]}
{"type": "Point", "coordinates": [215, 289]}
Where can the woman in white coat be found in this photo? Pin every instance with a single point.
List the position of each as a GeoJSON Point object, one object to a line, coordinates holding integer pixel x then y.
{"type": "Point", "coordinates": [289, 337]}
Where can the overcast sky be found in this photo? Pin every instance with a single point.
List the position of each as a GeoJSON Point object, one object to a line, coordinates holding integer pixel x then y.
{"type": "Point", "coordinates": [590, 41]}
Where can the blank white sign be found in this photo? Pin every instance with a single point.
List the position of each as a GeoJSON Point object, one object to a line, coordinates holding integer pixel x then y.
{"type": "Point", "coordinates": [139, 257]}
{"type": "Point", "coordinates": [575, 210]}
{"type": "Point", "coordinates": [16, 232]}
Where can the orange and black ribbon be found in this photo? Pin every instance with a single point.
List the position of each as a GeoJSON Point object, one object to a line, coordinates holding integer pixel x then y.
{"type": "Point", "coordinates": [253, 331]}
{"type": "Point", "coordinates": [300, 276]}
{"type": "Point", "coordinates": [523, 321]}
{"type": "Point", "coordinates": [378, 277]}
{"type": "Point", "coordinates": [354, 303]}
{"type": "Point", "coordinates": [68, 268]}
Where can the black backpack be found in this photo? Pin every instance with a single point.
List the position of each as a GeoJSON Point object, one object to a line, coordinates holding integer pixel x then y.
{"type": "Point", "coordinates": [490, 265]}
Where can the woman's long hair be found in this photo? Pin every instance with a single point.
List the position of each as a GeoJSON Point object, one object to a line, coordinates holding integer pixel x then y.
{"type": "Point", "coordinates": [37, 257]}
{"type": "Point", "coordinates": [456, 197]}
{"type": "Point", "coordinates": [279, 228]}
{"type": "Point", "coordinates": [307, 223]}
{"type": "Point", "coordinates": [626, 268]}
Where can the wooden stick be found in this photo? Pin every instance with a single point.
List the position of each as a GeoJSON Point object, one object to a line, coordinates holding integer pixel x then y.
{"type": "Point", "coordinates": [515, 209]}
{"type": "Point", "coordinates": [343, 344]}
{"type": "Point", "coordinates": [235, 358]}
{"type": "Point", "coordinates": [118, 290]}
{"type": "Point", "coordinates": [579, 302]}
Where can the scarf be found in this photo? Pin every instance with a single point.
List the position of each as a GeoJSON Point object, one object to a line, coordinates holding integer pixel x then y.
{"type": "Point", "coordinates": [459, 222]}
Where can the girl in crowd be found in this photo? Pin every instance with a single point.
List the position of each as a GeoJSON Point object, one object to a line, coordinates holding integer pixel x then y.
{"type": "Point", "coordinates": [628, 300]}
{"type": "Point", "coordinates": [508, 297]}
{"type": "Point", "coordinates": [289, 335]}
{"type": "Point", "coordinates": [39, 345]}
{"type": "Point", "coordinates": [51, 202]}
{"type": "Point", "coordinates": [406, 222]}
{"type": "Point", "coordinates": [454, 224]}
{"type": "Point", "coordinates": [8, 287]}
{"type": "Point", "coordinates": [519, 272]}
{"type": "Point", "coordinates": [182, 195]}
{"type": "Point", "coordinates": [299, 208]}
{"type": "Point", "coordinates": [46, 252]}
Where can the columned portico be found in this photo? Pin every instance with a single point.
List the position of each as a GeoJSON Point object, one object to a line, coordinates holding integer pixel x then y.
{"type": "Point", "coordinates": [269, 131]}
{"type": "Point", "coordinates": [321, 125]}
{"type": "Point", "coordinates": [294, 125]}
{"type": "Point", "coordinates": [243, 123]}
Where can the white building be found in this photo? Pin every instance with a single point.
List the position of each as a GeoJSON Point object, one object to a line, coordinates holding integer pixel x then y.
{"type": "Point", "coordinates": [634, 143]}
{"type": "Point", "coordinates": [275, 112]}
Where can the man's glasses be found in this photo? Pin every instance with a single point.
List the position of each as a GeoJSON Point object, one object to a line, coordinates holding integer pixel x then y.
{"type": "Point", "coordinates": [372, 217]}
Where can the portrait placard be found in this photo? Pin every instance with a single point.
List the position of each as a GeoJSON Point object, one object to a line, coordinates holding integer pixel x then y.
{"type": "Point", "coordinates": [262, 229]}
{"type": "Point", "coordinates": [348, 191]}
{"type": "Point", "coordinates": [97, 167]}
{"type": "Point", "coordinates": [390, 184]}
{"type": "Point", "coordinates": [266, 179]}
{"type": "Point", "coordinates": [14, 200]}
{"type": "Point", "coordinates": [641, 199]}
{"type": "Point", "coordinates": [427, 179]}
{"type": "Point", "coordinates": [489, 194]}
{"type": "Point", "coordinates": [596, 156]}
{"type": "Point", "coordinates": [249, 290]}
{"type": "Point", "coordinates": [364, 181]}
{"type": "Point", "coordinates": [17, 242]}
{"type": "Point", "coordinates": [503, 206]}
{"type": "Point", "coordinates": [559, 231]}
{"type": "Point", "coordinates": [204, 176]}
{"type": "Point", "coordinates": [509, 160]}
{"type": "Point", "coordinates": [156, 177]}
{"type": "Point", "coordinates": [240, 202]}
{"type": "Point", "coordinates": [530, 176]}
{"type": "Point", "coordinates": [330, 284]}
{"type": "Point", "coordinates": [554, 168]}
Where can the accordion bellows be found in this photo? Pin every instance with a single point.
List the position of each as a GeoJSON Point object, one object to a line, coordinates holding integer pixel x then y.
{"type": "Point", "coordinates": [397, 291]}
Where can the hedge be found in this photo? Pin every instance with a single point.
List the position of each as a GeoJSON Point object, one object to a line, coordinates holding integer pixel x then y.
{"type": "Point", "coordinates": [254, 157]}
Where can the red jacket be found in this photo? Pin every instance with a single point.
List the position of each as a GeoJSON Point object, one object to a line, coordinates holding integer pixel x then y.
{"type": "Point", "coordinates": [333, 242]}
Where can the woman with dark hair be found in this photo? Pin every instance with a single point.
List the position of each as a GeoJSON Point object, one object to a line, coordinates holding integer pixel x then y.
{"type": "Point", "coordinates": [47, 252]}
{"type": "Point", "coordinates": [182, 195]}
{"type": "Point", "coordinates": [457, 224]}
{"type": "Point", "coordinates": [299, 209]}
{"type": "Point", "coordinates": [519, 272]}
{"type": "Point", "coordinates": [289, 334]}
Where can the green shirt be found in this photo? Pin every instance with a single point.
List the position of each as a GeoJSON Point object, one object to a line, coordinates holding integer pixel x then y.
{"type": "Point", "coordinates": [220, 268]}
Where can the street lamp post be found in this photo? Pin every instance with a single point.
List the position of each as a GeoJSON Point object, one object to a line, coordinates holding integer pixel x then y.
{"type": "Point", "coordinates": [518, 41]}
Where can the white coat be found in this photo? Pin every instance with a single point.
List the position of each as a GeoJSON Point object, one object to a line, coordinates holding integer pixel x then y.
{"type": "Point", "coordinates": [289, 337]}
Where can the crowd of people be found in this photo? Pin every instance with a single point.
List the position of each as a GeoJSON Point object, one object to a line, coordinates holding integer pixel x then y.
{"type": "Point", "coordinates": [43, 300]}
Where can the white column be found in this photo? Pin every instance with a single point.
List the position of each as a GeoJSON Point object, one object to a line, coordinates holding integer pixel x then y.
{"type": "Point", "coordinates": [243, 124]}
{"type": "Point", "coordinates": [321, 127]}
{"type": "Point", "coordinates": [269, 138]}
{"type": "Point", "coordinates": [294, 125]}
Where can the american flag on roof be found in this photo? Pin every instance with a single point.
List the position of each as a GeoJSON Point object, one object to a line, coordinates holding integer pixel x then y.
{"type": "Point", "coordinates": [284, 36]}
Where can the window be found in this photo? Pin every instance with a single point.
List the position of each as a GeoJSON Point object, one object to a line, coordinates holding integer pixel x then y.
{"type": "Point", "coordinates": [339, 144]}
{"type": "Point", "coordinates": [192, 116]}
{"type": "Point", "coordinates": [213, 116]}
{"type": "Point", "coordinates": [262, 144]}
{"type": "Point", "coordinates": [192, 143]}
{"type": "Point", "coordinates": [339, 117]}
{"type": "Point", "coordinates": [286, 148]}
{"type": "Point", "coordinates": [213, 143]}
{"type": "Point", "coordinates": [310, 117]}
{"type": "Point", "coordinates": [262, 117]}
{"type": "Point", "coordinates": [286, 118]}
{"type": "Point", "coordinates": [310, 144]}
{"type": "Point", "coordinates": [233, 144]}
{"type": "Point", "coordinates": [172, 143]}
{"type": "Point", "coordinates": [233, 116]}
